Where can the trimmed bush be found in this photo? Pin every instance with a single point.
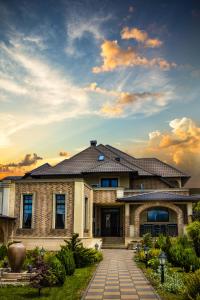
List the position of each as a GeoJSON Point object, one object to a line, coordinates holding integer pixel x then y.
{"type": "Point", "coordinates": [66, 257]}
{"type": "Point", "coordinates": [56, 269]}
{"type": "Point", "coordinates": [192, 282]}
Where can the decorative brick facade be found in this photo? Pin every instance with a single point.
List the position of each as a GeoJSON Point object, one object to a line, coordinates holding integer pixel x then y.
{"type": "Point", "coordinates": [145, 206]}
{"type": "Point", "coordinates": [105, 196]}
{"type": "Point", "coordinates": [43, 208]}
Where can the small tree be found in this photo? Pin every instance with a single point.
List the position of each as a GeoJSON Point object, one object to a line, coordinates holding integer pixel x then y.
{"type": "Point", "coordinates": [43, 277]}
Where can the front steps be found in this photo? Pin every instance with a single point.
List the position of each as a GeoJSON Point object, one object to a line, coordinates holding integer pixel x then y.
{"type": "Point", "coordinates": [113, 243]}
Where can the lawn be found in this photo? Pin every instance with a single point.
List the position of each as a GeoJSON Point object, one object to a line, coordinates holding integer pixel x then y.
{"type": "Point", "coordinates": [71, 290]}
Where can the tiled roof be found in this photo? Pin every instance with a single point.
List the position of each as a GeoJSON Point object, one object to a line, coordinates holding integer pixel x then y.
{"type": "Point", "coordinates": [114, 161]}
{"type": "Point", "coordinates": [151, 165]}
{"type": "Point", "coordinates": [161, 196]}
{"type": "Point", "coordinates": [13, 178]}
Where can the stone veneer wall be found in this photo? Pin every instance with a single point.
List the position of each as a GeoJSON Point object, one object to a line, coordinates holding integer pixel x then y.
{"type": "Point", "coordinates": [43, 208]}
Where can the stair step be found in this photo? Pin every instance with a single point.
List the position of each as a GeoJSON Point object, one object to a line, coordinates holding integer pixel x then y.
{"type": "Point", "coordinates": [113, 246]}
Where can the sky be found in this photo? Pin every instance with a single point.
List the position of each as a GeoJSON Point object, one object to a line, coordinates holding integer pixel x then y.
{"type": "Point", "coordinates": [126, 73]}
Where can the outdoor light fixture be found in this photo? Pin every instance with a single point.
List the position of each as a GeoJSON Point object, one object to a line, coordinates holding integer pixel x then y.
{"type": "Point", "coordinates": [146, 249]}
{"type": "Point", "coordinates": [138, 247]}
{"type": "Point", "coordinates": [162, 260]}
{"type": "Point", "coordinates": [96, 246]}
{"type": "Point", "coordinates": [42, 252]}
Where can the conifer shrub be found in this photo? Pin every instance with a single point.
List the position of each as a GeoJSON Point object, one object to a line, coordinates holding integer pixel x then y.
{"type": "Point", "coordinates": [66, 257]}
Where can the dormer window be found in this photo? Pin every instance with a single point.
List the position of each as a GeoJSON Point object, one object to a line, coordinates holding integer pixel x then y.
{"type": "Point", "coordinates": [101, 157]}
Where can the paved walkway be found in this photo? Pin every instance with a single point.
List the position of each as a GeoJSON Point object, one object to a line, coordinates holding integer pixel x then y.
{"type": "Point", "coordinates": [118, 277]}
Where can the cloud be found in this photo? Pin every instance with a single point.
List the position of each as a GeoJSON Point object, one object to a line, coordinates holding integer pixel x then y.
{"type": "Point", "coordinates": [131, 9]}
{"type": "Point", "coordinates": [64, 153]}
{"type": "Point", "coordinates": [179, 146]}
{"type": "Point", "coordinates": [12, 87]}
{"type": "Point", "coordinates": [124, 103]}
{"type": "Point", "coordinates": [140, 36]}
{"type": "Point", "coordinates": [78, 27]}
{"type": "Point", "coordinates": [114, 57]}
{"type": "Point", "coordinates": [28, 160]}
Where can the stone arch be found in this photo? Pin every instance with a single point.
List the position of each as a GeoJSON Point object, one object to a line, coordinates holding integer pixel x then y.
{"type": "Point", "coordinates": [1, 236]}
{"type": "Point", "coordinates": [145, 206]}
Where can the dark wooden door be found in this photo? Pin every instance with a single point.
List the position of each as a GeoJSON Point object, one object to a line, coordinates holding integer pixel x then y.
{"type": "Point", "coordinates": [110, 221]}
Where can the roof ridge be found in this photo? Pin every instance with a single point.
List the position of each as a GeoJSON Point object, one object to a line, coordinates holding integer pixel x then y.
{"type": "Point", "coordinates": [106, 162]}
{"type": "Point", "coordinates": [139, 167]}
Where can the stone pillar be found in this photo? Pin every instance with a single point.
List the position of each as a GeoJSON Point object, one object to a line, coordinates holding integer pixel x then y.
{"type": "Point", "coordinates": [189, 212]}
{"type": "Point", "coordinates": [91, 214]}
{"type": "Point", "coordinates": [6, 199]}
{"type": "Point", "coordinates": [79, 207]}
{"type": "Point", "coordinates": [127, 220]}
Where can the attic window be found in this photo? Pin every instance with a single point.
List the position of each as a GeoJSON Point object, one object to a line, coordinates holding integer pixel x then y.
{"type": "Point", "coordinates": [101, 157]}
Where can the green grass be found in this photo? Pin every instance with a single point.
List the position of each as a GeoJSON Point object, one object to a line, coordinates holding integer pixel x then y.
{"type": "Point", "coordinates": [71, 290]}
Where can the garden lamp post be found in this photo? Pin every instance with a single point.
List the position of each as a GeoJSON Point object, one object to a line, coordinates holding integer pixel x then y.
{"type": "Point", "coordinates": [146, 249]}
{"type": "Point", "coordinates": [162, 259]}
{"type": "Point", "coordinates": [42, 252]}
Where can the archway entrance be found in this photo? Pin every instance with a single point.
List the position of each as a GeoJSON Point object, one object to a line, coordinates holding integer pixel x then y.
{"type": "Point", "coordinates": [158, 217]}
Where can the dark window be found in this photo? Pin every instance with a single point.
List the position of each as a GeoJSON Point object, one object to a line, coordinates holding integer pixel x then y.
{"type": "Point", "coordinates": [109, 182]}
{"type": "Point", "coordinates": [86, 214]}
{"type": "Point", "coordinates": [27, 211]}
{"type": "Point", "coordinates": [60, 211]}
{"type": "Point", "coordinates": [158, 215]}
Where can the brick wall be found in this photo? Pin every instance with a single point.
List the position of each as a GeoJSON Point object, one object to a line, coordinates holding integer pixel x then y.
{"type": "Point", "coordinates": [104, 196]}
{"type": "Point", "coordinates": [43, 208]}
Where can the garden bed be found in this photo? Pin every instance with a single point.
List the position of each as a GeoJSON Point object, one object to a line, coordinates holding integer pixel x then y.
{"type": "Point", "coordinates": [71, 290]}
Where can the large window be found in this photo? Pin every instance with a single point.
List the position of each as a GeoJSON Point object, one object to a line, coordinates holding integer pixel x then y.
{"type": "Point", "coordinates": [27, 211]}
{"type": "Point", "coordinates": [109, 182]}
{"type": "Point", "coordinates": [158, 215]}
{"type": "Point", "coordinates": [60, 211]}
{"type": "Point", "coordinates": [86, 213]}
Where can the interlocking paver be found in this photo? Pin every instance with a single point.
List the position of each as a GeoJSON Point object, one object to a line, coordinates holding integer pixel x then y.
{"type": "Point", "coordinates": [118, 277]}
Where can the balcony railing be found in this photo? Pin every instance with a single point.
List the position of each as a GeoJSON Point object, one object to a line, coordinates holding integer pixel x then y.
{"type": "Point", "coordinates": [157, 229]}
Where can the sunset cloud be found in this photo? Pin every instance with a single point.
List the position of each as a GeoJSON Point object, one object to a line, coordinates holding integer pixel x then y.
{"type": "Point", "coordinates": [140, 36]}
{"type": "Point", "coordinates": [28, 160]}
{"type": "Point", "coordinates": [179, 146]}
{"type": "Point", "coordinates": [122, 103]}
{"type": "Point", "coordinates": [114, 57]}
{"type": "Point", "coordinates": [64, 153]}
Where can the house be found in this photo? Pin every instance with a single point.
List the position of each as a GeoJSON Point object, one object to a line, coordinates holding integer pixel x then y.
{"type": "Point", "coordinates": [100, 192]}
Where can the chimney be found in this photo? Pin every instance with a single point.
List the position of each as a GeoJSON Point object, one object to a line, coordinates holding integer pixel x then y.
{"type": "Point", "coordinates": [93, 143]}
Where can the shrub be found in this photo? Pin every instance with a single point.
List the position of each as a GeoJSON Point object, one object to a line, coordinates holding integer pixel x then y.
{"type": "Point", "coordinates": [174, 282]}
{"type": "Point", "coordinates": [153, 253]}
{"type": "Point", "coordinates": [154, 263]}
{"type": "Point", "coordinates": [66, 257]}
{"type": "Point", "coordinates": [3, 252]}
{"type": "Point", "coordinates": [192, 282]}
{"type": "Point", "coordinates": [43, 277]}
{"type": "Point", "coordinates": [183, 257]}
{"type": "Point", "coordinates": [147, 240]}
{"type": "Point", "coordinates": [56, 269]}
{"type": "Point", "coordinates": [193, 230]}
{"type": "Point", "coordinates": [82, 256]}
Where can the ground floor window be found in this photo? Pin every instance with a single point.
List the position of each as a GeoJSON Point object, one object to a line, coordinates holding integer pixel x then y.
{"type": "Point", "coordinates": [27, 211]}
{"type": "Point", "coordinates": [60, 211]}
{"type": "Point", "coordinates": [86, 215]}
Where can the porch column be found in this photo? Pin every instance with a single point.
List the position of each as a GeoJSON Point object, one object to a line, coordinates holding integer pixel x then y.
{"type": "Point", "coordinates": [189, 212]}
{"type": "Point", "coordinates": [127, 220]}
{"type": "Point", "coordinates": [78, 207]}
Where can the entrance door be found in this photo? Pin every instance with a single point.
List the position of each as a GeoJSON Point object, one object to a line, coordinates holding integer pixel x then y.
{"type": "Point", "coordinates": [110, 221]}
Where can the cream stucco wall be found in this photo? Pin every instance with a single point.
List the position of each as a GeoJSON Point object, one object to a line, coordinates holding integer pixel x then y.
{"type": "Point", "coordinates": [79, 207]}
{"type": "Point", "coordinates": [123, 180]}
